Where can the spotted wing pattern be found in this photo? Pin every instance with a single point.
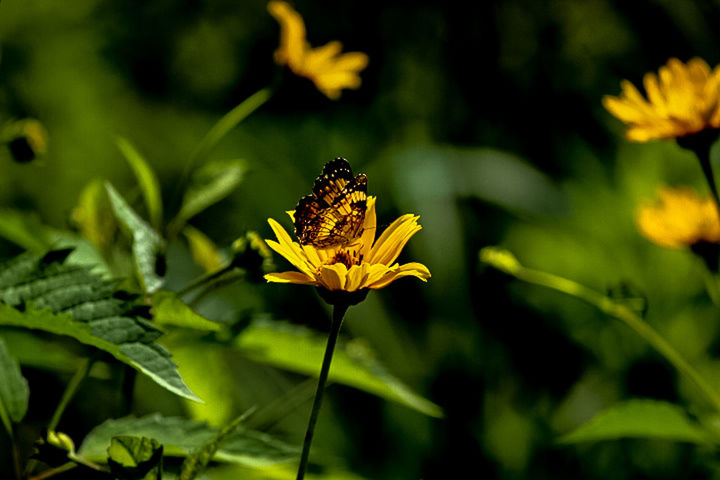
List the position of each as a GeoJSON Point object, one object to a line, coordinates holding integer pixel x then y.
{"type": "Point", "coordinates": [334, 213]}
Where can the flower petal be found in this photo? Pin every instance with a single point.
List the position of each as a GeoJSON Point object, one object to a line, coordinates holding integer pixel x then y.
{"type": "Point", "coordinates": [391, 242]}
{"type": "Point", "coordinates": [356, 276]}
{"type": "Point", "coordinates": [293, 45]}
{"type": "Point", "coordinates": [290, 277]}
{"type": "Point", "coordinates": [369, 226]}
{"type": "Point", "coordinates": [290, 250]}
{"type": "Point", "coordinates": [333, 276]}
{"type": "Point", "coordinates": [409, 269]}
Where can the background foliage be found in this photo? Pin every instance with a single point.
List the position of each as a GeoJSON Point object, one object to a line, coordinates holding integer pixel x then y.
{"type": "Point", "coordinates": [483, 119]}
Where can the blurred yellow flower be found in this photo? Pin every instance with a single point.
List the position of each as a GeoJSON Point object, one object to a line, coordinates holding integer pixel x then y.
{"type": "Point", "coordinates": [366, 263]}
{"type": "Point", "coordinates": [683, 99]}
{"type": "Point", "coordinates": [681, 218]}
{"type": "Point", "coordinates": [330, 70]}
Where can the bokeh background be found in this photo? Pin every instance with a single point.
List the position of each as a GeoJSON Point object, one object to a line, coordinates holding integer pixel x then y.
{"type": "Point", "coordinates": [486, 120]}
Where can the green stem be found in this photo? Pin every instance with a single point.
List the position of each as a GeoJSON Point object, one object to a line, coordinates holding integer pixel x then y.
{"type": "Point", "coordinates": [221, 128]}
{"type": "Point", "coordinates": [54, 471]}
{"type": "Point", "coordinates": [504, 261]}
{"type": "Point", "coordinates": [712, 287]}
{"type": "Point", "coordinates": [205, 279]}
{"type": "Point", "coordinates": [700, 144]}
{"type": "Point", "coordinates": [337, 318]}
{"type": "Point", "coordinates": [704, 157]}
{"type": "Point", "coordinates": [16, 461]}
{"type": "Point", "coordinates": [69, 392]}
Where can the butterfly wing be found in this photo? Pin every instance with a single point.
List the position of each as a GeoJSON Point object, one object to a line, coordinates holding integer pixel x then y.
{"type": "Point", "coordinates": [335, 212]}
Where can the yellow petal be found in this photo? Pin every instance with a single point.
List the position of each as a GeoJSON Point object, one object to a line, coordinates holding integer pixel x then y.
{"type": "Point", "coordinates": [356, 277]}
{"type": "Point", "coordinates": [409, 269]}
{"type": "Point", "coordinates": [290, 250]}
{"type": "Point", "coordinates": [333, 277]}
{"type": "Point", "coordinates": [391, 242]}
{"type": "Point", "coordinates": [369, 227]}
{"type": "Point", "coordinates": [290, 277]}
{"type": "Point", "coordinates": [319, 59]}
{"type": "Point", "coordinates": [312, 255]}
{"type": "Point", "coordinates": [351, 61]}
{"type": "Point", "coordinates": [293, 45]}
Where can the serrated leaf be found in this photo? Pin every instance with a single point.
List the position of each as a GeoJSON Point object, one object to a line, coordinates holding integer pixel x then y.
{"type": "Point", "coordinates": [171, 310]}
{"type": "Point", "coordinates": [640, 418]}
{"type": "Point", "coordinates": [14, 390]}
{"type": "Point", "coordinates": [147, 246]}
{"type": "Point", "coordinates": [135, 458]}
{"type": "Point", "coordinates": [81, 305]}
{"type": "Point", "coordinates": [181, 436]}
{"type": "Point", "coordinates": [204, 252]}
{"type": "Point", "coordinates": [148, 182]}
{"type": "Point", "coordinates": [301, 350]}
{"type": "Point", "coordinates": [210, 183]}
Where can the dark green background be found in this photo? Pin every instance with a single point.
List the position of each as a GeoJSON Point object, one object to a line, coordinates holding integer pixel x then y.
{"type": "Point", "coordinates": [484, 119]}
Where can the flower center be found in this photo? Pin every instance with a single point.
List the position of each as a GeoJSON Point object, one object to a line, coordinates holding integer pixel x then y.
{"type": "Point", "coordinates": [346, 257]}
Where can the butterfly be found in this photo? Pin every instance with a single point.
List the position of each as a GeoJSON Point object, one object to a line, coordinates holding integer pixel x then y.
{"type": "Point", "coordinates": [333, 215]}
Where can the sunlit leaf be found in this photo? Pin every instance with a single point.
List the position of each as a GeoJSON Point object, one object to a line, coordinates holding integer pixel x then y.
{"type": "Point", "coordinates": [209, 184]}
{"type": "Point", "coordinates": [203, 250]}
{"type": "Point", "coordinates": [640, 418]}
{"type": "Point", "coordinates": [14, 390]}
{"type": "Point", "coordinates": [42, 293]}
{"type": "Point", "coordinates": [181, 437]}
{"type": "Point", "coordinates": [93, 215]}
{"type": "Point", "coordinates": [147, 245]}
{"type": "Point", "coordinates": [149, 185]}
{"type": "Point", "coordinates": [301, 350]}
{"type": "Point", "coordinates": [171, 310]}
{"type": "Point", "coordinates": [135, 458]}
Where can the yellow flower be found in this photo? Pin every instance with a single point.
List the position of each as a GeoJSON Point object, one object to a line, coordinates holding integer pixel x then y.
{"type": "Point", "coordinates": [680, 219]}
{"type": "Point", "coordinates": [366, 263]}
{"type": "Point", "coordinates": [330, 70]}
{"type": "Point", "coordinates": [683, 99]}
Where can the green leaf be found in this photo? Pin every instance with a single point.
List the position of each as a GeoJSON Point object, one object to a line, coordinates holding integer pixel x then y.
{"type": "Point", "coordinates": [24, 229]}
{"type": "Point", "coordinates": [42, 293]}
{"type": "Point", "coordinates": [171, 310]}
{"type": "Point", "coordinates": [229, 121]}
{"type": "Point", "coordinates": [147, 246]}
{"type": "Point", "coordinates": [209, 184]}
{"type": "Point", "coordinates": [196, 462]}
{"type": "Point", "coordinates": [135, 458]}
{"type": "Point", "coordinates": [640, 418]}
{"type": "Point", "coordinates": [93, 215]}
{"type": "Point", "coordinates": [204, 252]}
{"type": "Point", "coordinates": [146, 180]}
{"type": "Point", "coordinates": [181, 436]}
{"type": "Point", "coordinates": [301, 350]}
{"type": "Point", "coordinates": [36, 350]}
{"type": "Point", "coordinates": [14, 390]}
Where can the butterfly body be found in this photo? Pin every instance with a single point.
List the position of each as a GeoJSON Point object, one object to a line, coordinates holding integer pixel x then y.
{"type": "Point", "coordinates": [333, 215]}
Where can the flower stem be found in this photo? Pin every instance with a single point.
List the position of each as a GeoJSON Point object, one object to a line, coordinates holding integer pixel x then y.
{"type": "Point", "coordinates": [205, 279]}
{"type": "Point", "coordinates": [337, 318]}
{"type": "Point", "coordinates": [69, 392]}
{"type": "Point", "coordinates": [504, 261]}
{"type": "Point", "coordinates": [708, 172]}
{"type": "Point", "coordinates": [701, 144]}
